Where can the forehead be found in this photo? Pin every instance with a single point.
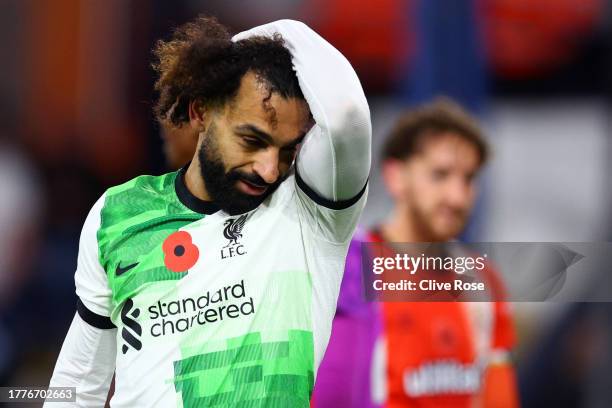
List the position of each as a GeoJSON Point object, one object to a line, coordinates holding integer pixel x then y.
{"type": "Point", "coordinates": [285, 119]}
{"type": "Point", "coordinates": [450, 150]}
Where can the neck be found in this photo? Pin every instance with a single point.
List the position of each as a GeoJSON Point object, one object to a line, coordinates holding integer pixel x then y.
{"type": "Point", "coordinates": [194, 181]}
{"type": "Point", "coordinates": [401, 227]}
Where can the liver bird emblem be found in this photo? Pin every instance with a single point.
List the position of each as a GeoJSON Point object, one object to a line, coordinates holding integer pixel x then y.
{"type": "Point", "coordinates": [233, 229]}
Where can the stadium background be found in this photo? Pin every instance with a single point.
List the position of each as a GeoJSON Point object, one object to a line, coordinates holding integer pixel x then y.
{"type": "Point", "coordinates": [75, 118]}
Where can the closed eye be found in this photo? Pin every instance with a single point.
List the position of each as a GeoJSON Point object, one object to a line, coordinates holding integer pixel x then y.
{"type": "Point", "coordinates": [253, 142]}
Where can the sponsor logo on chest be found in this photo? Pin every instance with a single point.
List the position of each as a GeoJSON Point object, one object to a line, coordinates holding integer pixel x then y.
{"type": "Point", "coordinates": [442, 378]}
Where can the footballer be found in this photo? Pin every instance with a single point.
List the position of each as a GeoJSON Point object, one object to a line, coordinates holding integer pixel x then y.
{"type": "Point", "coordinates": [216, 285]}
{"type": "Point", "coordinates": [422, 354]}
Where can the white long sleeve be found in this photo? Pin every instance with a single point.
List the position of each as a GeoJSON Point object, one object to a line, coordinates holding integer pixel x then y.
{"type": "Point", "coordinates": [87, 362]}
{"type": "Point", "coordinates": [334, 160]}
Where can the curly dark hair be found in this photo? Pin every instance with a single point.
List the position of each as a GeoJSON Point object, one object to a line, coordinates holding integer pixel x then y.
{"type": "Point", "coordinates": [416, 126]}
{"type": "Point", "coordinates": [200, 62]}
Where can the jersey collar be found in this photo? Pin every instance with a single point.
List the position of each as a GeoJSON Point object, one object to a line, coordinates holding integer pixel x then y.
{"type": "Point", "coordinates": [189, 200]}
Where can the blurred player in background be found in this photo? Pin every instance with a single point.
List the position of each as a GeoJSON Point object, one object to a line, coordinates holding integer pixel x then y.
{"type": "Point", "coordinates": [216, 284]}
{"type": "Point", "coordinates": [180, 143]}
{"type": "Point", "coordinates": [421, 354]}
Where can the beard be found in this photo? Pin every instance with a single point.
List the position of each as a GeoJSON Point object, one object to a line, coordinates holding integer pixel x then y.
{"type": "Point", "coordinates": [221, 184]}
{"type": "Point", "coordinates": [432, 229]}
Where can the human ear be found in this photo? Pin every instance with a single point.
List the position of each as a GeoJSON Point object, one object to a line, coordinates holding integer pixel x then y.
{"type": "Point", "coordinates": [392, 175]}
{"type": "Point", "coordinates": [198, 114]}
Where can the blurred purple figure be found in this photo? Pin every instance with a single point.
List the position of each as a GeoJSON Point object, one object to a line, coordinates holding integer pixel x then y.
{"type": "Point", "coordinates": [341, 381]}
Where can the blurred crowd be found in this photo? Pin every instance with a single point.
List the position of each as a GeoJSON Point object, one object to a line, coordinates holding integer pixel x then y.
{"type": "Point", "coordinates": [75, 118]}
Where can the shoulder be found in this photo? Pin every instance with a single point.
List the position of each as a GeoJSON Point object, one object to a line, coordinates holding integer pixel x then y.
{"type": "Point", "coordinates": [137, 196]}
{"type": "Point", "coordinates": [131, 207]}
{"type": "Point", "coordinates": [142, 187]}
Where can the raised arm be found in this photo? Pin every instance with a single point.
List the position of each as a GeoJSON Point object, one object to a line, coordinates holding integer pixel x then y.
{"type": "Point", "coordinates": [334, 160]}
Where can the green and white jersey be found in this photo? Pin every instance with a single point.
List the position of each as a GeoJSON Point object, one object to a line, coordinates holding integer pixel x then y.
{"type": "Point", "coordinates": [198, 308]}
{"type": "Point", "coordinates": [213, 309]}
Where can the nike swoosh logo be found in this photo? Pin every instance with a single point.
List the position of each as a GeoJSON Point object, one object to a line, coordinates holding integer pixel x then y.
{"type": "Point", "coordinates": [120, 271]}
